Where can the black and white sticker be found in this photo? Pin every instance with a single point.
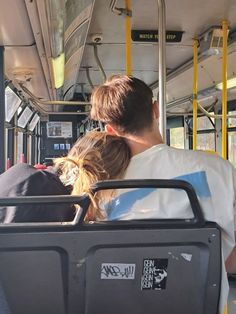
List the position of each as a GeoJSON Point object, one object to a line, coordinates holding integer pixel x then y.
{"type": "Point", "coordinates": [117, 271]}
{"type": "Point", "coordinates": [154, 275]}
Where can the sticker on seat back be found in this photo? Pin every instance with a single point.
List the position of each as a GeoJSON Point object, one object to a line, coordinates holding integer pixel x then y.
{"type": "Point", "coordinates": [154, 274]}
{"type": "Point", "coordinates": [117, 271]}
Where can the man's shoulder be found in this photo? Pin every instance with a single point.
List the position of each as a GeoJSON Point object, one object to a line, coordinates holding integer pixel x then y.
{"type": "Point", "coordinates": [204, 158]}
{"type": "Point", "coordinates": [163, 158]}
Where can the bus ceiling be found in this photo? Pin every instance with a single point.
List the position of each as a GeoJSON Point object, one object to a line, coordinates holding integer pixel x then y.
{"type": "Point", "coordinates": [58, 50]}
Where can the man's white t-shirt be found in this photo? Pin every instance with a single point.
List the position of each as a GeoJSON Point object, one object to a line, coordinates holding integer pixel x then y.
{"type": "Point", "coordinates": [213, 178]}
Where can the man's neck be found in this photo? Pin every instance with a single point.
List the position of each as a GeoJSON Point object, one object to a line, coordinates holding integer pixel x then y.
{"type": "Point", "coordinates": [139, 144]}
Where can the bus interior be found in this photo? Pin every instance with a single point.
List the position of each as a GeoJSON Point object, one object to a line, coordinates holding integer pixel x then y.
{"type": "Point", "coordinates": [54, 52]}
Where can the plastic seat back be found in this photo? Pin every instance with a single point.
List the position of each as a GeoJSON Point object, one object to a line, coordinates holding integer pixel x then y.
{"type": "Point", "coordinates": [136, 267]}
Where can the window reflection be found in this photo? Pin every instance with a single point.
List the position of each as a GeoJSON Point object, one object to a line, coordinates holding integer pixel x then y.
{"type": "Point", "coordinates": [177, 137]}
{"type": "Point", "coordinates": [204, 123]}
{"type": "Point", "coordinates": [232, 147]}
{"type": "Point", "coordinates": [206, 141]}
{"type": "Point", "coordinates": [232, 121]}
{"type": "Point", "coordinates": [19, 146]}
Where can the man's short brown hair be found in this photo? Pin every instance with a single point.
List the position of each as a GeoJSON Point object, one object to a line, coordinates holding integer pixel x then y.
{"type": "Point", "coordinates": [124, 102]}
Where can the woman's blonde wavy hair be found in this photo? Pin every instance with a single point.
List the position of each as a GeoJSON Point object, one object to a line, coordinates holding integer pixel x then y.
{"type": "Point", "coordinates": [96, 156]}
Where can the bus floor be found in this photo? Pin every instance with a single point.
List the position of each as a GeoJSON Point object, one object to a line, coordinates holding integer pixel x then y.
{"type": "Point", "coordinates": [232, 296]}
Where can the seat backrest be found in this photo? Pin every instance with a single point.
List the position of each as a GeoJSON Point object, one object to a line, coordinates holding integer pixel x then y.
{"type": "Point", "coordinates": [112, 267]}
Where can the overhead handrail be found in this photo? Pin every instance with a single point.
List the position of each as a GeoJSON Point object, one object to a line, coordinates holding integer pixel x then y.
{"type": "Point", "coordinates": [42, 110]}
{"type": "Point", "coordinates": [113, 7]}
{"type": "Point", "coordinates": [99, 64]}
{"type": "Point", "coordinates": [88, 77]}
{"type": "Point", "coordinates": [119, 11]}
{"type": "Point", "coordinates": [216, 116]}
{"type": "Point", "coordinates": [52, 102]}
{"type": "Point", "coordinates": [190, 113]}
{"type": "Point", "coordinates": [162, 66]}
{"type": "Point", "coordinates": [187, 64]}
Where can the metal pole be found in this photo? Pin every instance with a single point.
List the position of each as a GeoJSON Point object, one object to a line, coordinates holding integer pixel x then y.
{"type": "Point", "coordinates": [2, 112]}
{"type": "Point", "coordinates": [195, 81]}
{"type": "Point", "coordinates": [224, 89]}
{"type": "Point", "coordinates": [162, 66]}
{"type": "Point", "coordinates": [128, 44]}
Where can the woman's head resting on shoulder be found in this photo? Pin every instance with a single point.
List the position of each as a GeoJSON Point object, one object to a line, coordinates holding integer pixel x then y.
{"type": "Point", "coordinates": [95, 157]}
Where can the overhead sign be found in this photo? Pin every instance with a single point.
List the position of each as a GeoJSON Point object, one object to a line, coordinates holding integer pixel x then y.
{"type": "Point", "coordinates": [33, 122]}
{"type": "Point", "coordinates": [24, 117]}
{"type": "Point", "coordinates": [151, 36]}
{"type": "Point", "coordinates": [59, 129]}
{"type": "Point", "coordinates": [12, 103]}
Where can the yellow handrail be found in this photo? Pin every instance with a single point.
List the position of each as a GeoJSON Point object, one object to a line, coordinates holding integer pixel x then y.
{"type": "Point", "coordinates": [226, 309]}
{"type": "Point", "coordinates": [195, 86]}
{"type": "Point", "coordinates": [128, 45]}
{"type": "Point", "coordinates": [224, 89]}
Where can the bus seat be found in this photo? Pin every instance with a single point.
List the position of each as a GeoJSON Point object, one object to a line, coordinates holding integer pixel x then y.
{"type": "Point", "coordinates": [148, 266]}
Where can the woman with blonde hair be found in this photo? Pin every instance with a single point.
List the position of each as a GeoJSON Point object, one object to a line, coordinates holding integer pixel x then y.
{"type": "Point", "coordinates": [95, 157]}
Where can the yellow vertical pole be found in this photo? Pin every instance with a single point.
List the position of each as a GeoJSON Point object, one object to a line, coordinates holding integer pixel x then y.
{"type": "Point", "coordinates": [195, 87]}
{"type": "Point", "coordinates": [225, 309]}
{"type": "Point", "coordinates": [128, 45]}
{"type": "Point", "coordinates": [224, 89]}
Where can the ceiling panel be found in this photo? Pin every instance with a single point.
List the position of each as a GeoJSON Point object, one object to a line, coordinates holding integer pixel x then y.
{"type": "Point", "coordinates": [13, 14]}
{"type": "Point", "coordinates": [192, 17]}
{"type": "Point", "coordinates": [22, 64]}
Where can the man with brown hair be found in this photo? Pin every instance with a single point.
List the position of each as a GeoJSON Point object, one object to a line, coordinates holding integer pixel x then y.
{"type": "Point", "coordinates": [125, 105]}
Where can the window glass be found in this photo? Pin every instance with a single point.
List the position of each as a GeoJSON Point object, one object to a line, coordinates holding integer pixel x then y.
{"type": "Point", "coordinates": [206, 141]}
{"type": "Point", "coordinates": [232, 147]}
{"type": "Point", "coordinates": [232, 121]}
{"type": "Point", "coordinates": [203, 123]}
{"type": "Point", "coordinates": [33, 122]}
{"type": "Point", "coordinates": [19, 110]}
{"type": "Point", "coordinates": [24, 117]}
{"type": "Point", "coordinates": [29, 150]}
{"type": "Point", "coordinates": [19, 146]}
{"type": "Point", "coordinates": [177, 137]}
{"type": "Point", "coordinates": [6, 144]}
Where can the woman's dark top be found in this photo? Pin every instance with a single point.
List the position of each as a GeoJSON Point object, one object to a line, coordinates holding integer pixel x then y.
{"type": "Point", "coordinates": [24, 180]}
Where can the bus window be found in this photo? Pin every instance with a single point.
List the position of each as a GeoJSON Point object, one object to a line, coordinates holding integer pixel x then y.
{"type": "Point", "coordinates": [6, 144]}
{"type": "Point", "coordinates": [177, 137]}
{"type": "Point", "coordinates": [19, 146]}
{"type": "Point", "coordinates": [232, 121]}
{"type": "Point", "coordinates": [206, 141]}
{"type": "Point", "coordinates": [206, 134]}
{"type": "Point", "coordinates": [204, 123]}
{"type": "Point", "coordinates": [232, 147]}
{"type": "Point", "coordinates": [29, 150]}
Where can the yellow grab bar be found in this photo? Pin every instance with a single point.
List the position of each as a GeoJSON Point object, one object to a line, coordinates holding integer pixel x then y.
{"type": "Point", "coordinates": [128, 44]}
{"type": "Point", "coordinates": [224, 89]}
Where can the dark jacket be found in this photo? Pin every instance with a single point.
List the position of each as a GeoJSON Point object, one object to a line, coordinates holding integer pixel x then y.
{"type": "Point", "coordinates": [24, 180]}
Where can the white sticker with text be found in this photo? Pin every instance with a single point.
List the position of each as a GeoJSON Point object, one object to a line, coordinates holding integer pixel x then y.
{"type": "Point", "coordinates": [117, 271]}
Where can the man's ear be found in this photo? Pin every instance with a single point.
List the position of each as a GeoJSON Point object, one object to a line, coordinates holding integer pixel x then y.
{"type": "Point", "coordinates": [155, 106]}
{"type": "Point", "coordinates": [109, 129]}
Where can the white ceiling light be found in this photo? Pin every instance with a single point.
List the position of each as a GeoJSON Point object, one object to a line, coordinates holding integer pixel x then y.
{"type": "Point", "coordinates": [230, 84]}
{"type": "Point", "coordinates": [56, 19]}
